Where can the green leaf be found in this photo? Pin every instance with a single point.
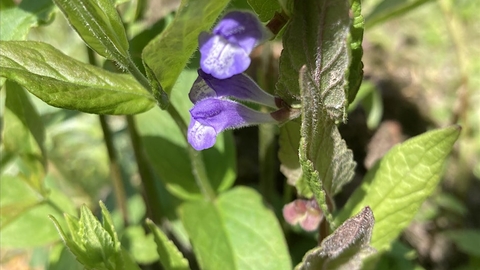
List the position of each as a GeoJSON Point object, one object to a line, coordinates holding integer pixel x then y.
{"type": "Point", "coordinates": [24, 134]}
{"type": "Point", "coordinates": [389, 9]}
{"type": "Point", "coordinates": [289, 141]}
{"type": "Point", "coordinates": [345, 248]}
{"type": "Point", "coordinates": [317, 37]}
{"type": "Point", "coordinates": [355, 75]}
{"type": "Point", "coordinates": [139, 245]}
{"type": "Point", "coordinates": [400, 182]}
{"type": "Point", "coordinates": [170, 257]}
{"type": "Point", "coordinates": [169, 52]}
{"type": "Point", "coordinates": [99, 25]}
{"type": "Point", "coordinates": [107, 224]}
{"type": "Point", "coordinates": [237, 231]}
{"type": "Point", "coordinates": [326, 161]}
{"type": "Point", "coordinates": [166, 147]}
{"type": "Point", "coordinates": [98, 244]}
{"type": "Point", "coordinates": [17, 20]}
{"type": "Point", "coordinates": [64, 82]}
{"type": "Point", "coordinates": [265, 8]}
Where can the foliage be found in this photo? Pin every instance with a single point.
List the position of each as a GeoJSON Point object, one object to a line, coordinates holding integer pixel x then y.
{"type": "Point", "coordinates": [105, 117]}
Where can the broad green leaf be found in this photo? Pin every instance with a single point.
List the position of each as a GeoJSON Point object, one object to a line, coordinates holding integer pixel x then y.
{"type": "Point", "coordinates": [64, 82]}
{"type": "Point", "coordinates": [355, 74]}
{"type": "Point", "coordinates": [27, 212]}
{"type": "Point", "coordinates": [400, 182]}
{"type": "Point", "coordinates": [317, 37]}
{"type": "Point", "coordinates": [140, 245]}
{"type": "Point", "coordinates": [17, 20]}
{"type": "Point", "coordinates": [99, 25]}
{"type": "Point", "coordinates": [326, 161]}
{"type": "Point", "coordinates": [166, 147]}
{"type": "Point", "coordinates": [236, 231]}
{"type": "Point", "coordinates": [265, 8]}
{"type": "Point", "coordinates": [168, 54]}
{"type": "Point", "coordinates": [389, 9]}
{"type": "Point", "coordinates": [24, 135]}
{"type": "Point", "coordinates": [345, 248]}
{"type": "Point", "coordinates": [170, 257]}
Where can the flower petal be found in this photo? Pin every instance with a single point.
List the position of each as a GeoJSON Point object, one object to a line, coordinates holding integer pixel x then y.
{"type": "Point", "coordinates": [239, 86]}
{"type": "Point", "coordinates": [241, 28]}
{"type": "Point", "coordinates": [221, 58]}
{"type": "Point", "coordinates": [200, 136]}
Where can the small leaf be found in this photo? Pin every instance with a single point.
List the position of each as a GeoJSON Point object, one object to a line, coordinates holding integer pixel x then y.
{"type": "Point", "coordinates": [107, 224]}
{"type": "Point", "coordinates": [141, 246]}
{"type": "Point", "coordinates": [168, 53]}
{"type": "Point", "coordinates": [400, 182]}
{"type": "Point", "coordinates": [170, 257]}
{"type": "Point", "coordinates": [99, 25]}
{"type": "Point", "coordinates": [346, 247]}
{"type": "Point", "coordinates": [236, 231]}
{"type": "Point", "coordinates": [64, 82]}
{"type": "Point", "coordinates": [265, 8]}
{"type": "Point", "coordinates": [389, 9]}
{"type": "Point", "coordinates": [326, 161]}
{"type": "Point", "coordinates": [355, 75]}
{"type": "Point", "coordinates": [98, 244]}
{"type": "Point", "coordinates": [18, 20]}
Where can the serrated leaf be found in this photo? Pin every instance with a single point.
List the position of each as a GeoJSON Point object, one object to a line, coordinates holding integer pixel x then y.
{"type": "Point", "coordinates": [265, 8]}
{"type": "Point", "coordinates": [18, 20]}
{"type": "Point", "coordinates": [170, 257]}
{"type": "Point", "coordinates": [389, 9]}
{"type": "Point", "coordinates": [74, 247]}
{"type": "Point", "coordinates": [168, 53]}
{"type": "Point", "coordinates": [400, 182]}
{"type": "Point", "coordinates": [99, 25]}
{"type": "Point", "coordinates": [355, 74]}
{"type": "Point", "coordinates": [236, 231]}
{"type": "Point", "coordinates": [107, 224]}
{"type": "Point", "coordinates": [64, 82]}
{"type": "Point", "coordinates": [317, 37]}
{"type": "Point", "coordinates": [166, 147]}
{"type": "Point", "coordinates": [98, 244]}
{"type": "Point", "coordinates": [327, 163]}
{"type": "Point", "coordinates": [345, 248]}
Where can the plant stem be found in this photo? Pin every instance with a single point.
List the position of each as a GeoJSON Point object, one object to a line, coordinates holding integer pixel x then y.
{"type": "Point", "coordinates": [152, 196]}
{"type": "Point", "coordinates": [266, 157]}
{"type": "Point", "coordinates": [198, 167]}
{"type": "Point", "coordinates": [115, 172]}
{"type": "Point", "coordinates": [138, 75]}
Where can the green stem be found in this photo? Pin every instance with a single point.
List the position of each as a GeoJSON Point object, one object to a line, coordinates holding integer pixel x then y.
{"type": "Point", "coordinates": [152, 196]}
{"type": "Point", "coordinates": [138, 75]}
{"type": "Point", "coordinates": [198, 167]}
{"type": "Point", "coordinates": [115, 172]}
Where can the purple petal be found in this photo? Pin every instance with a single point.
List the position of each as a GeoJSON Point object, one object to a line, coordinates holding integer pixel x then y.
{"type": "Point", "coordinates": [241, 28]}
{"type": "Point", "coordinates": [199, 136]}
{"type": "Point", "coordinates": [223, 114]}
{"type": "Point", "coordinates": [238, 86]}
{"type": "Point", "coordinates": [221, 58]}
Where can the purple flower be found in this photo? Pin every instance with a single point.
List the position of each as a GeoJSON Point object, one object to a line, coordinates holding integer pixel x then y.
{"type": "Point", "coordinates": [225, 52]}
{"type": "Point", "coordinates": [211, 116]}
{"type": "Point", "coordinates": [306, 213]}
{"type": "Point", "coordinates": [238, 86]}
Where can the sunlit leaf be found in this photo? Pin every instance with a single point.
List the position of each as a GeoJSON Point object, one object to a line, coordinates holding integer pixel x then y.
{"type": "Point", "coordinates": [67, 83]}
{"type": "Point", "coordinates": [170, 257]}
{"type": "Point", "coordinates": [168, 53]}
{"type": "Point", "coordinates": [18, 20]}
{"type": "Point", "coordinates": [236, 231]}
{"type": "Point", "coordinates": [99, 25]}
{"type": "Point", "coordinates": [400, 182]}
